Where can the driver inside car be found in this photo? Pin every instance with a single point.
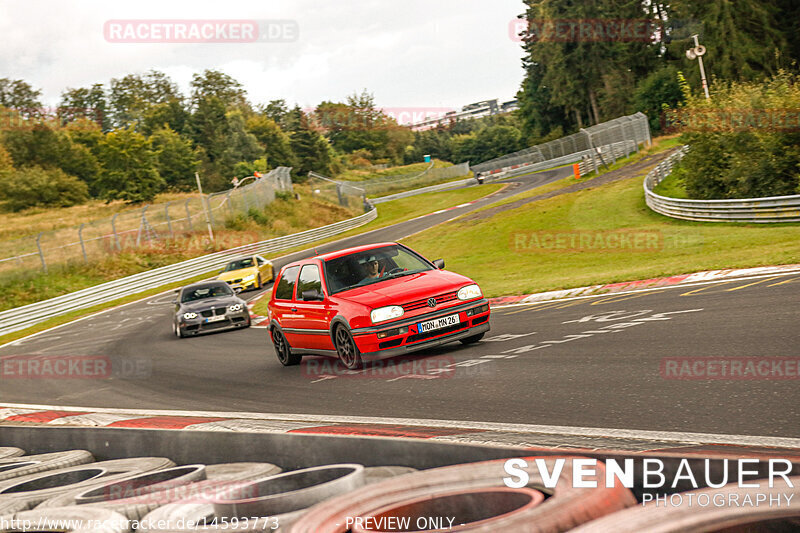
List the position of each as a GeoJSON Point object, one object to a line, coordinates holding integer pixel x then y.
{"type": "Point", "coordinates": [373, 268]}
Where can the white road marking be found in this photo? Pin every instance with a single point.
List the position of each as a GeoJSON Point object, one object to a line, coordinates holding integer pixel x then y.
{"type": "Point", "coordinates": [637, 434]}
{"type": "Point", "coordinates": [651, 289]}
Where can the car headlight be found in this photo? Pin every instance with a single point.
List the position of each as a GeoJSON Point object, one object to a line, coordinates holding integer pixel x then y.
{"type": "Point", "coordinates": [189, 316]}
{"type": "Point", "coordinates": [235, 307]}
{"type": "Point", "coordinates": [383, 314]}
{"type": "Point", "coordinates": [251, 277]}
{"type": "Point", "coordinates": [470, 292]}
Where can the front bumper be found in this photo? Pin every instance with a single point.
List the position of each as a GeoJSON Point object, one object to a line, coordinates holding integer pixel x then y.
{"type": "Point", "coordinates": [242, 285]}
{"type": "Point", "coordinates": [198, 326]}
{"type": "Point", "coordinates": [473, 320]}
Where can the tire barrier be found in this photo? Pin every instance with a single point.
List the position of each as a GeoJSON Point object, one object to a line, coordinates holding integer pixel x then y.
{"type": "Point", "coordinates": [467, 510]}
{"type": "Point", "coordinates": [289, 491]}
{"type": "Point", "coordinates": [9, 452]}
{"type": "Point", "coordinates": [216, 478]}
{"type": "Point", "coordinates": [565, 508]}
{"type": "Point", "coordinates": [33, 489]}
{"type": "Point", "coordinates": [153, 495]}
{"type": "Point", "coordinates": [67, 519]}
{"type": "Point", "coordinates": [42, 463]}
{"type": "Point", "coordinates": [695, 512]}
{"type": "Point", "coordinates": [187, 513]}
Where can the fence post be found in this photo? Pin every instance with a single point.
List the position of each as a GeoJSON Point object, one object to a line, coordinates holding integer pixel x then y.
{"type": "Point", "coordinates": [142, 226]}
{"type": "Point", "coordinates": [41, 254]}
{"type": "Point", "coordinates": [169, 221]}
{"type": "Point", "coordinates": [114, 230]}
{"type": "Point", "coordinates": [188, 214]}
{"type": "Point", "coordinates": [83, 246]}
{"type": "Point", "coordinates": [339, 193]}
{"type": "Point", "coordinates": [230, 205]}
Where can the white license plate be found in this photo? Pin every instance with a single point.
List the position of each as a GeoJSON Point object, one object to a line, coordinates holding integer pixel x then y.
{"type": "Point", "coordinates": [215, 318]}
{"type": "Point", "coordinates": [437, 323]}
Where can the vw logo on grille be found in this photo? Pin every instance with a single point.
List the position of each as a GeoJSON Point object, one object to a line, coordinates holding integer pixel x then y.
{"type": "Point", "coordinates": [431, 302]}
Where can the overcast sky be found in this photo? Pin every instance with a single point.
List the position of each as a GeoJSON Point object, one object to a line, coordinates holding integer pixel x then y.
{"type": "Point", "coordinates": [408, 53]}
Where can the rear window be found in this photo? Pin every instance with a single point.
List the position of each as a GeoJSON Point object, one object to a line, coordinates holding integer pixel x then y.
{"type": "Point", "coordinates": [285, 288]}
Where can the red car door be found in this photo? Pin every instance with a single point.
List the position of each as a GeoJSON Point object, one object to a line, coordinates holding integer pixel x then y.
{"type": "Point", "coordinates": [283, 304]}
{"type": "Point", "coordinates": [314, 310]}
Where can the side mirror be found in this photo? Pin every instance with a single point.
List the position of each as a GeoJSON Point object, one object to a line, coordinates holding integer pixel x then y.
{"type": "Point", "coordinates": [312, 295]}
{"type": "Point", "coordinates": [237, 290]}
{"type": "Point", "coordinates": [438, 263]}
{"type": "Point", "coordinates": [174, 302]}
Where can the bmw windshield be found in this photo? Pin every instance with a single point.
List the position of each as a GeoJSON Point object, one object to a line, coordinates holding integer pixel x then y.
{"type": "Point", "coordinates": [206, 291]}
{"type": "Point", "coordinates": [372, 266]}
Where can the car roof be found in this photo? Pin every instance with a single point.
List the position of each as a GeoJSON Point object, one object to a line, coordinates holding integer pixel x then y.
{"type": "Point", "coordinates": [343, 252]}
{"type": "Point", "coordinates": [201, 284]}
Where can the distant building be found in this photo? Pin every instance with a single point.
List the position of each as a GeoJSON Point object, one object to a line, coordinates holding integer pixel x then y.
{"type": "Point", "coordinates": [481, 109]}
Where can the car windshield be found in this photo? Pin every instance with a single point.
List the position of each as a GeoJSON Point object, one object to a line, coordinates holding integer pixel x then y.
{"type": "Point", "coordinates": [372, 266]}
{"type": "Point", "coordinates": [207, 291]}
{"type": "Point", "coordinates": [239, 264]}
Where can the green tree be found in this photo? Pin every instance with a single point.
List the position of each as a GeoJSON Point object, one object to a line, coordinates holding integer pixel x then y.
{"type": "Point", "coordinates": [213, 83]}
{"type": "Point", "coordinates": [311, 148]}
{"type": "Point", "coordinates": [129, 168]}
{"type": "Point", "coordinates": [659, 90]}
{"type": "Point", "coordinates": [176, 160]}
{"type": "Point", "coordinates": [37, 186]}
{"type": "Point", "coordinates": [743, 38]}
{"type": "Point", "coordinates": [87, 103]}
{"type": "Point", "coordinates": [171, 114]}
{"type": "Point", "coordinates": [6, 162]}
{"type": "Point", "coordinates": [276, 143]}
{"type": "Point", "coordinates": [18, 94]}
{"type": "Point", "coordinates": [131, 96]}
{"type": "Point", "coordinates": [48, 148]}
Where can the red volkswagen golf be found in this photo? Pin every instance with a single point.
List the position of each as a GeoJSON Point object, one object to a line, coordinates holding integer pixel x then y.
{"type": "Point", "coordinates": [372, 302]}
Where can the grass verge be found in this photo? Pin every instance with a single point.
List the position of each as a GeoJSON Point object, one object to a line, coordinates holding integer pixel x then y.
{"type": "Point", "coordinates": [518, 251]}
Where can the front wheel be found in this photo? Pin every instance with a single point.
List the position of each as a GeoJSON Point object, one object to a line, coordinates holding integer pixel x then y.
{"type": "Point", "coordinates": [349, 354]}
{"type": "Point", "coordinates": [176, 329]}
{"type": "Point", "coordinates": [258, 283]}
{"type": "Point", "coordinates": [283, 350]}
{"type": "Point", "coordinates": [473, 339]}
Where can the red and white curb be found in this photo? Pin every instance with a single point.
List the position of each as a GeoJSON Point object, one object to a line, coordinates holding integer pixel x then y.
{"type": "Point", "coordinates": [450, 431]}
{"type": "Point", "coordinates": [654, 283]}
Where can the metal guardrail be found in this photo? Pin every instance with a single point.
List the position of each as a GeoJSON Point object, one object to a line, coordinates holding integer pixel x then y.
{"type": "Point", "coordinates": [760, 210]}
{"type": "Point", "coordinates": [432, 188]}
{"type": "Point", "coordinates": [23, 317]}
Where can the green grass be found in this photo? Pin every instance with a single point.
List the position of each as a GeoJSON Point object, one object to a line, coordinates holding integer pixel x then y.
{"type": "Point", "coordinates": [488, 250]}
{"type": "Point", "coordinates": [671, 187]}
{"type": "Point", "coordinates": [414, 168]}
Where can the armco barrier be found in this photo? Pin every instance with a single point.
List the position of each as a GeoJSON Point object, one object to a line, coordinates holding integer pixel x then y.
{"type": "Point", "coordinates": [432, 188]}
{"type": "Point", "coordinates": [23, 317]}
{"type": "Point", "coordinates": [760, 210]}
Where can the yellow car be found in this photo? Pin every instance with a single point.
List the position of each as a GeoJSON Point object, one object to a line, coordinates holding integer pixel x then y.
{"type": "Point", "coordinates": [247, 273]}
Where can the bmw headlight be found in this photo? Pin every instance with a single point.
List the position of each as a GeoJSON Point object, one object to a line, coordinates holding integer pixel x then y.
{"type": "Point", "coordinates": [251, 277]}
{"type": "Point", "coordinates": [383, 314]}
{"type": "Point", "coordinates": [235, 307]}
{"type": "Point", "coordinates": [189, 316]}
{"type": "Point", "coordinates": [470, 292]}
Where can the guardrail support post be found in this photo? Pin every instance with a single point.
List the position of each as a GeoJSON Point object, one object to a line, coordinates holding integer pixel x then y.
{"type": "Point", "coordinates": [83, 246]}
{"type": "Point", "coordinates": [41, 254]}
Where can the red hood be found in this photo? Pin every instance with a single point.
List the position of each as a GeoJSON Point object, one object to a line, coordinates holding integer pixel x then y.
{"type": "Point", "coordinates": [406, 289]}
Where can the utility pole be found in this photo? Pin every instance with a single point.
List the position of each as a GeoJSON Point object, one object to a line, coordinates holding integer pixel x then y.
{"type": "Point", "coordinates": [204, 200]}
{"type": "Point", "coordinates": [697, 53]}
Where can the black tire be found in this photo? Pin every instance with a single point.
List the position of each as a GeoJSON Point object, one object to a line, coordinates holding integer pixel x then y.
{"type": "Point", "coordinates": [248, 323]}
{"type": "Point", "coordinates": [346, 348]}
{"type": "Point", "coordinates": [473, 339]}
{"type": "Point", "coordinates": [258, 283]}
{"type": "Point", "coordinates": [283, 350]}
{"type": "Point", "coordinates": [176, 329]}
